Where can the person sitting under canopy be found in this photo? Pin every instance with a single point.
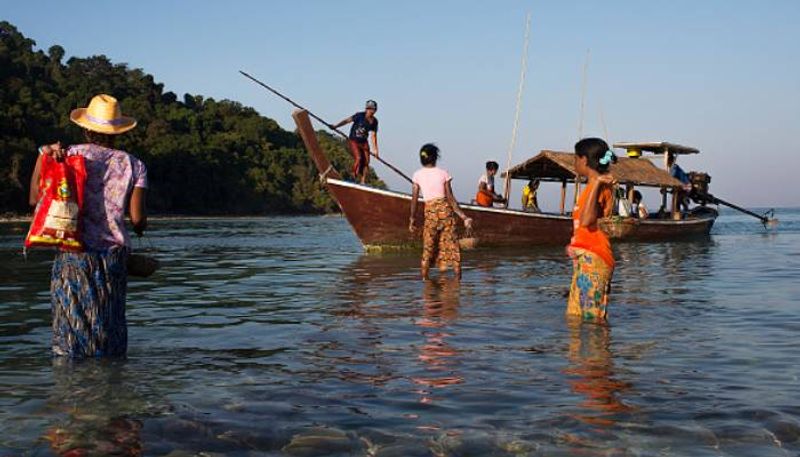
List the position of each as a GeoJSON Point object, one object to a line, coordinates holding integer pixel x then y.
{"type": "Point", "coordinates": [530, 201]}
{"type": "Point", "coordinates": [486, 195]}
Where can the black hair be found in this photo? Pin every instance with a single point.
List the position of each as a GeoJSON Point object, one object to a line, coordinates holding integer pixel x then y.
{"type": "Point", "coordinates": [492, 165]}
{"type": "Point", "coordinates": [428, 154]}
{"type": "Point", "coordinates": [100, 139]}
{"type": "Point", "coordinates": [595, 149]}
{"type": "Point", "coordinates": [637, 196]}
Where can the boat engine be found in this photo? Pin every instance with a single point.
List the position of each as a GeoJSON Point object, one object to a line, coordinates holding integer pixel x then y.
{"type": "Point", "coordinates": [699, 182]}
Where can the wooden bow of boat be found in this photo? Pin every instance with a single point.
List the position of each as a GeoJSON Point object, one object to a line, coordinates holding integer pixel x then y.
{"type": "Point", "coordinates": [379, 217]}
{"type": "Point", "coordinates": [309, 137]}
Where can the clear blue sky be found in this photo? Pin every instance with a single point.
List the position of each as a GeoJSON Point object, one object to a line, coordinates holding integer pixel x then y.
{"type": "Point", "coordinates": [720, 75]}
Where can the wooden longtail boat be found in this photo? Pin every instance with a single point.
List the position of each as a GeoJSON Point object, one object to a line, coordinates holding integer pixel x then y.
{"type": "Point", "coordinates": [379, 217]}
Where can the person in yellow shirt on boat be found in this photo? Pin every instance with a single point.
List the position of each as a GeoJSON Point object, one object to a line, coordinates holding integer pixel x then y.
{"type": "Point", "coordinates": [486, 195]}
{"type": "Point", "coordinates": [530, 201]}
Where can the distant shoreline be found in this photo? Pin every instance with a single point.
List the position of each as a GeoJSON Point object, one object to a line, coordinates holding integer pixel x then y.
{"type": "Point", "coordinates": [9, 218]}
{"type": "Point", "coordinates": [15, 218]}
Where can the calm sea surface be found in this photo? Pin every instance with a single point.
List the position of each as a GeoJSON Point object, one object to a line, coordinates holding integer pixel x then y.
{"type": "Point", "coordinates": [278, 336]}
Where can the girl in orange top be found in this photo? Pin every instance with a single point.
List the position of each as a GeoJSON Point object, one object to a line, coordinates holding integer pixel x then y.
{"type": "Point", "coordinates": [590, 250]}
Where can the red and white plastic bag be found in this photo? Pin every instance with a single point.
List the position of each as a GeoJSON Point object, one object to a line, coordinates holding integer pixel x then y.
{"type": "Point", "coordinates": [57, 218]}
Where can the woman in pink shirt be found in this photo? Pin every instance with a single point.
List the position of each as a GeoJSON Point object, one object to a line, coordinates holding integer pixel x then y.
{"type": "Point", "coordinates": [439, 240]}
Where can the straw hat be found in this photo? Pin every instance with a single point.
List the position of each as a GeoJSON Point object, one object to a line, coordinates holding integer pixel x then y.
{"type": "Point", "coordinates": [103, 116]}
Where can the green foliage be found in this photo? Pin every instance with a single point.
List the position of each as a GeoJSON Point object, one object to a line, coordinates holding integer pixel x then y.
{"type": "Point", "coordinates": [203, 156]}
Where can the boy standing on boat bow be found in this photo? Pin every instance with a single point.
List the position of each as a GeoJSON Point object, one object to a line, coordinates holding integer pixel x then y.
{"type": "Point", "coordinates": [439, 241]}
{"type": "Point", "coordinates": [363, 123]}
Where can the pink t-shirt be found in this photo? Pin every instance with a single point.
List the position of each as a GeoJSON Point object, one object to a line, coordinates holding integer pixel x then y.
{"type": "Point", "coordinates": [431, 182]}
{"type": "Point", "coordinates": [111, 176]}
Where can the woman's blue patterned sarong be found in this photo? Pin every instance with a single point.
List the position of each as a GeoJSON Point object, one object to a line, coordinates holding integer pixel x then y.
{"type": "Point", "coordinates": [88, 303]}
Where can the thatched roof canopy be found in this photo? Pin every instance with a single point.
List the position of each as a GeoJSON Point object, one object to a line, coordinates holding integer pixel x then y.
{"type": "Point", "coordinates": [557, 166]}
{"type": "Point", "coordinates": [657, 147]}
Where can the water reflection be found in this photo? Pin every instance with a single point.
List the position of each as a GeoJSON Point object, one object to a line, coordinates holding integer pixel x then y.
{"type": "Point", "coordinates": [440, 303]}
{"type": "Point", "coordinates": [663, 273]}
{"type": "Point", "coordinates": [352, 346]}
{"type": "Point", "coordinates": [95, 404]}
{"type": "Point", "coordinates": [592, 375]}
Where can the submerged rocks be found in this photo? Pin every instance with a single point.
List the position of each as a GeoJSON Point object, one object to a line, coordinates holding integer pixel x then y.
{"type": "Point", "coordinates": [322, 441]}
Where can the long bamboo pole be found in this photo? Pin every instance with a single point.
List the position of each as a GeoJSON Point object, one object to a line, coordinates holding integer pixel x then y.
{"type": "Point", "coordinates": [507, 187]}
{"type": "Point", "coordinates": [583, 95]}
{"type": "Point", "coordinates": [764, 219]}
{"type": "Point", "coordinates": [326, 124]}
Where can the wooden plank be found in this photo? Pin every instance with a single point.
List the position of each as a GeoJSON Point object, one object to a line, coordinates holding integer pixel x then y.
{"type": "Point", "coordinates": [657, 147]}
{"type": "Point", "coordinates": [676, 213]}
{"type": "Point", "coordinates": [309, 137]}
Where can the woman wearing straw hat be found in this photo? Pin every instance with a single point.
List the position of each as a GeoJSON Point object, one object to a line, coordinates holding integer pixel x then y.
{"type": "Point", "coordinates": [88, 288]}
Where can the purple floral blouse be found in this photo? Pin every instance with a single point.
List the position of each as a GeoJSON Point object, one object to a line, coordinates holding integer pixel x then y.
{"type": "Point", "coordinates": [111, 176]}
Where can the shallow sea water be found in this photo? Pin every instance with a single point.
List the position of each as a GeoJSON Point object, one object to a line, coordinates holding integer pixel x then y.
{"type": "Point", "coordinates": [279, 336]}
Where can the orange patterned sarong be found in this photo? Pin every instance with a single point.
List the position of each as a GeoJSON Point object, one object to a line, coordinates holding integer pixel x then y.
{"type": "Point", "coordinates": [591, 284]}
{"type": "Point", "coordinates": [439, 241]}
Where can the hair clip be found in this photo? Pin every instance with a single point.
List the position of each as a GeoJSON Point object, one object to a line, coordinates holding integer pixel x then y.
{"type": "Point", "coordinates": [606, 159]}
{"type": "Point", "coordinates": [423, 154]}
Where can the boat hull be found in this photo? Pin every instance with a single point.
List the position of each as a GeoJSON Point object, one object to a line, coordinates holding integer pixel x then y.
{"type": "Point", "coordinates": [379, 218]}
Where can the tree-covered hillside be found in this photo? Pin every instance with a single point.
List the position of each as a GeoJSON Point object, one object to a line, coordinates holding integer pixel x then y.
{"type": "Point", "coordinates": [204, 156]}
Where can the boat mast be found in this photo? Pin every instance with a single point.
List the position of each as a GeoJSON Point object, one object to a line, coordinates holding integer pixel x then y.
{"type": "Point", "coordinates": [580, 120]}
{"type": "Point", "coordinates": [507, 189]}
{"type": "Point", "coordinates": [603, 123]}
{"type": "Point", "coordinates": [583, 94]}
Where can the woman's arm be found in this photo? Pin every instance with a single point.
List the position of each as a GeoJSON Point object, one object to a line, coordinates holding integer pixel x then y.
{"type": "Point", "coordinates": [589, 213]}
{"type": "Point", "coordinates": [33, 195]}
{"type": "Point", "coordinates": [414, 197]}
{"type": "Point", "coordinates": [448, 191]}
{"type": "Point", "coordinates": [138, 210]}
{"type": "Point", "coordinates": [607, 206]}
{"type": "Point", "coordinates": [54, 150]}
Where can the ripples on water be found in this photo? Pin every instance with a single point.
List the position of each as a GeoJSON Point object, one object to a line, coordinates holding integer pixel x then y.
{"type": "Point", "coordinates": [278, 336]}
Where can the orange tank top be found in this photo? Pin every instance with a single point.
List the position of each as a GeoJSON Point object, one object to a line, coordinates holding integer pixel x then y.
{"type": "Point", "coordinates": [484, 198]}
{"type": "Point", "coordinates": [592, 238]}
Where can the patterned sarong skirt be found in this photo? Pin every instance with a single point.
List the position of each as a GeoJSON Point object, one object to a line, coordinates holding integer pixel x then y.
{"type": "Point", "coordinates": [88, 303]}
{"type": "Point", "coordinates": [439, 241]}
{"type": "Point", "coordinates": [591, 284]}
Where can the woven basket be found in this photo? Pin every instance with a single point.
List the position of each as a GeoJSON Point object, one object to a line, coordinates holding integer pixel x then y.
{"type": "Point", "coordinates": [142, 265]}
{"type": "Point", "coordinates": [468, 240]}
{"type": "Point", "coordinates": [468, 243]}
{"type": "Point", "coordinates": [617, 227]}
